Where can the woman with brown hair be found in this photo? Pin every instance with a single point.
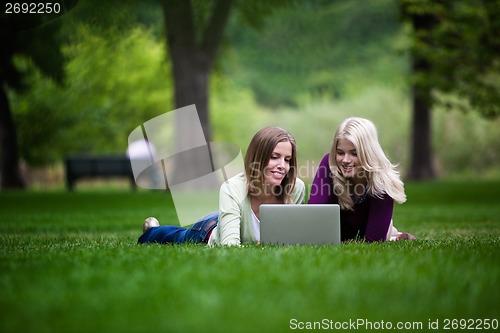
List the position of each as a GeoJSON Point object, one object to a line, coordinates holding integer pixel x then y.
{"type": "Point", "coordinates": [270, 177]}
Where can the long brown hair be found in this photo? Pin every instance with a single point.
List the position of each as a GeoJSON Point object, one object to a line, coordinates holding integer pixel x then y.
{"type": "Point", "coordinates": [257, 158]}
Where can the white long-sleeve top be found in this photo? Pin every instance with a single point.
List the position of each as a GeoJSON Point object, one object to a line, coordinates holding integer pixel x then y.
{"type": "Point", "coordinates": [235, 213]}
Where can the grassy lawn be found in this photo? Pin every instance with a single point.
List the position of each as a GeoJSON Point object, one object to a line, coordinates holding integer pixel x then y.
{"type": "Point", "coordinates": [69, 263]}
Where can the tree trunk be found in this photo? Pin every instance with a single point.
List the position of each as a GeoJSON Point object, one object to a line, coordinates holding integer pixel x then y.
{"type": "Point", "coordinates": [421, 167]}
{"type": "Point", "coordinates": [11, 176]}
{"type": "Point", "coordinates": [192, 56]}
{"type": "Point", "coordinates": [192, 59]}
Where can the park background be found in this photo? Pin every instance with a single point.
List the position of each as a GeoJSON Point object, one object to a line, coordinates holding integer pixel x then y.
{"type": "Point", "coordinates": [97, 72]}
{"type": "Point", "coordinates": [83, 81]}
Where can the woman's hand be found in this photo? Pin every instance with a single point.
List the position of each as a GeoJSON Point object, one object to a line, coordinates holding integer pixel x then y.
{"type": "Point", "coordinates": [406, 236]}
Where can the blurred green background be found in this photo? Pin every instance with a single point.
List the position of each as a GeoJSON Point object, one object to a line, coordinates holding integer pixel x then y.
{"type": "Point", "coordinates": [301, 65]}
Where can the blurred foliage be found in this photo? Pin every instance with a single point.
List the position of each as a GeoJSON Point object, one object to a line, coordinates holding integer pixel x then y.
{"type": "Point", "coordinates": [322, 49]}
{"type": "Point", "coordinates": [112, 86]}
{"type": "Point", "coordinates": [36, 37]}
{"type": "Point", "coordinates": [461, 44]}
{"type": "Point", "coordinates": [304, 68]}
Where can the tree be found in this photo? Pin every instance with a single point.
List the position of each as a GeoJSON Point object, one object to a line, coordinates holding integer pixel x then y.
{"type": "Point", "coordinates": [112, 84]}
{"type": "Point", "coordinates": [38, 39]}
{"type": "Point", "coordinates": [19, 37]}
{"type": "Point", "coordinates": [421, 165]}
{"type": "Point", "coordinates": [194, 32]}
{"type": "Point", "coordinates": [455, 52]}
{"type": "Point", "coordinates": [193, 56]}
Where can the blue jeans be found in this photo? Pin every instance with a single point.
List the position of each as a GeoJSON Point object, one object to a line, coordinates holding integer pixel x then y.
{"type": "Point", "coordinates": [174, 234]}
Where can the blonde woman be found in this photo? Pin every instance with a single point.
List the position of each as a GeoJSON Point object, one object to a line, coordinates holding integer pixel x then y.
{"type": "Point", "coordinates": [270, 177]}
{"type": "Point", "coordinates": [358, 176]}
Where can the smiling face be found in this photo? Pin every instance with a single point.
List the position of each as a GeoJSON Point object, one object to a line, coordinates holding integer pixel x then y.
{"type": "Point", "coordinates": [347, 160]}
{"type": "Point", "coordinates": [279, 164]}
{"type": "Point", "coordinates": [271, 164]}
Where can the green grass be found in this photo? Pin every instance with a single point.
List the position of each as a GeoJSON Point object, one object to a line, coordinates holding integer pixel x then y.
{"type": "Point", "coordinates": [70, 263]}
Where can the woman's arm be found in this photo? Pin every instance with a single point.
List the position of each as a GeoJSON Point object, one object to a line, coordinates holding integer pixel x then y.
{"type": "Point", "coordinates": [299, 192]}
{"type": "Point", "coordinates": [230, 215]}
{"type": "Point", "coordinates": [322, 185]}
{"type": "Point", "coordinates": [379, 218]}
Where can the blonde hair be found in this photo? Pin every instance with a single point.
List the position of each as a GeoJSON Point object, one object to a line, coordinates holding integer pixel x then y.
{"type": "Point", "coordinates": [382, 175]}
{"type": "Point", "coordinates": [257, 158]}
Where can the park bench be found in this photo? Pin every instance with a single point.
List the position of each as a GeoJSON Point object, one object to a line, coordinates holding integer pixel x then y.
{"type": "Point", "coordinates": [87, 166]}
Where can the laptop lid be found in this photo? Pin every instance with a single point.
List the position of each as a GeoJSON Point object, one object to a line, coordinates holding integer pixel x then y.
{"type": "Point", "coordinates": [299, 224]}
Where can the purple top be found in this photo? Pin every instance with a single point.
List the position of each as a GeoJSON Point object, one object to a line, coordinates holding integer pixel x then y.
{"type": "Point", "coordinates": [369, 220]}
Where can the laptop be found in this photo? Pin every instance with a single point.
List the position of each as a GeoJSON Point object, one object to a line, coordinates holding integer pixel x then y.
{"type": "Point", "coordinates": [300, 224]}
